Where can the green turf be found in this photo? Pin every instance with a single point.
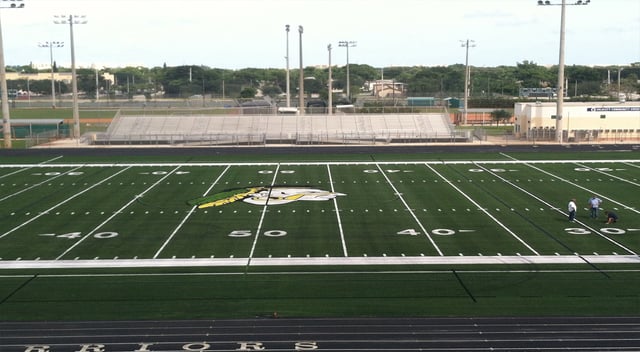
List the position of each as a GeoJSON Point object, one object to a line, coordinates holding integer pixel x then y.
{"type": "Point", "coordinates": [394, 208]}
{"type": "Point", "coordinates": [456, 292]}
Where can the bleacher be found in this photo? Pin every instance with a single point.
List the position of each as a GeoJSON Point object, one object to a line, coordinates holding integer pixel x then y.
{"type": "Point", "coordinates": [279, 129]}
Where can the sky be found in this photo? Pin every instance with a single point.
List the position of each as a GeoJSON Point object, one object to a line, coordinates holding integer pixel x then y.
{"type": "Point", "coordinates": [236, 34]}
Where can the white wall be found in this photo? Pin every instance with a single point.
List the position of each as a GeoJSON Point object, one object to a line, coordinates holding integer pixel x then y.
{"type": "Point", "coordinates": [603, 117]}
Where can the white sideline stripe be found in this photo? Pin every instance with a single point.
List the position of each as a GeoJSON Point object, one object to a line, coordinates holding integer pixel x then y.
{"type": "Point", "coordinates": [424, 230]}
{"type": "Point", "coordinates": [264, 213]}
{"type": "Point", "coordinates": [189, 214]}
{"type": "Point", "coordinates": [61, 203]}
{"type": "Point", "coordinates": [485, 211]}
{"type": "Point", "coordinates": [335, 163]}
{"type": "Point", "coordinates": [320, 272]}
{"type": "Point", "coordinates": [319, 261]}
{"type": "Point", "coordinates": [38, 184]}
{"type": "Point", "coordinates": [556, 208]}
{"type": "Point", "coordinates": [116, 213]}
{"type": "Point", "coordinates": [335, 205]}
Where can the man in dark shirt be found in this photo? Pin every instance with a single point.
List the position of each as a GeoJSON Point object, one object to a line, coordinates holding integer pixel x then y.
{"type": "Point", "coordinates": [611, 217]}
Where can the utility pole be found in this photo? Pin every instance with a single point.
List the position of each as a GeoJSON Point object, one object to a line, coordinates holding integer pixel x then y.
{"type": "Point", "coordinates": [52, 45]}
{"type": "Point", "coordinates": [347, 44]}
{"type": "Point", "coordinates": [560, 85]}
{"type": "Point", "coordinates": [71, 20]}
{"type": "Point", "coordinates": [467, 75]}
{"type": "Point", "coordinates": [330, 87]}
{"type": "Point", "coordinates": [288, 79]}
{"type": "Point", "coordinates": [6, 118]}
{"type": "Point", "coordinates": [301, 78]}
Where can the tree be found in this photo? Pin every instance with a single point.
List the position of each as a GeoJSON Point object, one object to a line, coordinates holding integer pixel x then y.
{"type": "Point", "coordinates": [271, 90]}
{"type": "Point", "coordinates": [499, 115]}
{"type": "Point", "coordinates": [531, 75]}
{"type": "Point", "coordinates": [248, 92]}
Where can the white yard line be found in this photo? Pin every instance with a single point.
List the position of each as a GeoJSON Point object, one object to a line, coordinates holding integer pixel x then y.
{"type": "Point", "coordinates": [116, 213]}
{"type": "Point", "coordinates": [52, 159]}
{"type": "Point", "coordinates": [632, 165]}
{"type": "Point", "coordinates": [38, 184]}
{"type": "Point", "coordinates": [264, 213]}
{"type": "Point", "coordinates": [189, 214]}
{"type": "Point", "coordinates": [335, 205]}
{"type": "Point", "coordinates": [17, 171]}
{"type": "Point", "coordinates": [485, 211]}
{"type": "Point", "coordinates": [61, 203]}
{"type": "Point", "coordinates": [424, 230]}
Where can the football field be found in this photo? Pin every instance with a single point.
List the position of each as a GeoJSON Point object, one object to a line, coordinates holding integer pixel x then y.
{"type": "Point", "coordinates": [484, 234]}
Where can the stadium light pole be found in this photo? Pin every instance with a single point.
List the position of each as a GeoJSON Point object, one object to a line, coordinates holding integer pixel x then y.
{"type": "Point", "coordinates": [52, 45]}
{"type": "Point", "coordinates": [301, 78]}
{"type": "Point", "coordinates": [560, 85]}
{"type": "Point", "coordinates": [619, 70]}
{"type": "Point", "coordinates": [330, 88]}
{"type": "Point", "coordinates": [288, 78]}
{"type": "Point", "coordinates": [347, 44]}
{"type": "Point", "coordinates": [6, 118]}
{"type": "Point", "coordinates": [71, 20]}
{"type": "Point", "coordinates": [467, 75]}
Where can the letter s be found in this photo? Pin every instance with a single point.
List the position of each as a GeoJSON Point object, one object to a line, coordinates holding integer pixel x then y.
{"type": "Point", "coordinates": [306, 346]}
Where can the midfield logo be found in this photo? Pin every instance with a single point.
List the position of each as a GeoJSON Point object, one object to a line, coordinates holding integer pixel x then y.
{"type": "Point", "coordinates": [273, 195]}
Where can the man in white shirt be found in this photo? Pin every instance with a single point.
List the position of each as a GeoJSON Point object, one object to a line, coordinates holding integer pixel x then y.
{"type": "Point", "coordinates": [572, 210]}
{"type": "Point", "coordinates": [594, 205]}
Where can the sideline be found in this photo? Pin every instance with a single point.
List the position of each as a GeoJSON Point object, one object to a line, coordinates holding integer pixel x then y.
{"type": "Point", "coordinates": [316, 261]}
{"type": "Point", "coordinates": [331, 163]}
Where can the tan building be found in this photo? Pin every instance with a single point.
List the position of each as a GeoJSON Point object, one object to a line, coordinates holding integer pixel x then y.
{"type": "Point", "coordinates": [581, 122]}
{"type": "Point", "coordinates": [57, 76]}
{"type": "Point", "coordinates": [386, 88]}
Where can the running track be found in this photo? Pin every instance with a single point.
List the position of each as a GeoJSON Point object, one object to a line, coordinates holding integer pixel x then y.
{"type": "Point", "coordinates": [365, 334]}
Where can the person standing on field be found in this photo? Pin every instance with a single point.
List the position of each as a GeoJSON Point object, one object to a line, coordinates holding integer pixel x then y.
{"type": "Point", "coordinates": [594, 205]}
{"type": "Point", "coordinates": [571, 207]}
